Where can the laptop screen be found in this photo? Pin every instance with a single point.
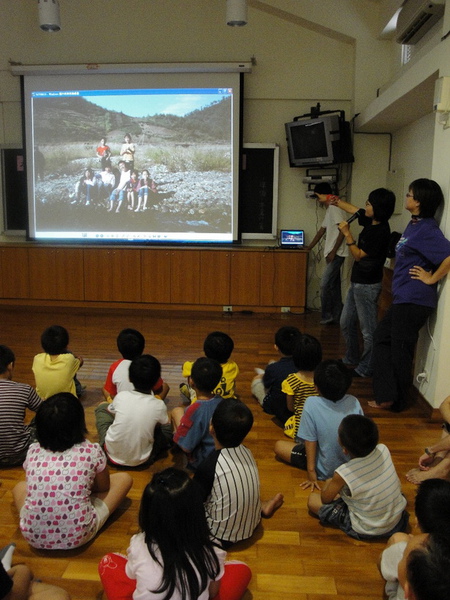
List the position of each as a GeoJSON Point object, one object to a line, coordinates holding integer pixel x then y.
{"type": "Point", "coordinates": [292, 238]}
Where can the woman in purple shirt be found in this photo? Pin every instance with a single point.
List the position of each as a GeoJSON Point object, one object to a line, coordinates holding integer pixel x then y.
{"type": "Point", "coordinates": [422, 258]}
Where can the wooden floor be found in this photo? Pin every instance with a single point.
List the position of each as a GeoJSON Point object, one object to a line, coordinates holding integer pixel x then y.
{"type": "Point", "coordinates": [291, 555]}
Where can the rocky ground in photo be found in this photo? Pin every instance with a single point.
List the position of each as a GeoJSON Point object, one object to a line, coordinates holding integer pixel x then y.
{"type": "Point", "coordinates": [189, 195]}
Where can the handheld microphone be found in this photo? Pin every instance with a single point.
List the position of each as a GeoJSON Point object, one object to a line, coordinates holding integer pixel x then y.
{"type": "Point", "coordinates": [358, 213]}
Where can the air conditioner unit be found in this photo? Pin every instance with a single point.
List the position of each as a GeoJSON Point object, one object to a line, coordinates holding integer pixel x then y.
{"type": "Point", "coordinates": [416, 18]}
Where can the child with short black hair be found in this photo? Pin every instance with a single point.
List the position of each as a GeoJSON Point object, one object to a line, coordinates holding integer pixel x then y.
{"type": "Point", "coordinates": [431, 506]}
{"type": "Point", "coordinates": [55, 369]}
{"type": "Point", "coordinates": [135, 426]}
{"type": "Point", "coordinates": [371, 503]}
{"type": "Point", "coordinates": [424, 571]}
{"type": "Point", "coordinates": [131, 344]}
{"type": "Point", "coordinates": [15, 399]}
{"type": "Point", "coordinates": [433, 517]}
{"type": "Point", "coordinates": [316, 448]}
{"type": "Point", "coordinates": [68, 483]}
{"type": "Point", "coordinates": [358, 435]}
{"type": "Point", "coordinates": [217, 346]}
{"type": "Point", "coordinates": [232, 504]}
{"type": "Point", "coordinates": [332, 379]}
{"type": "Point", "coordinates": [232, 421]}
{"type": "Point", "coordinates": [266, 386]}
{"type": "Point", "coordinates": [192, 426]}
{"type": "Point", "coordinates": [300, 385]}
{"type": "Point", "coordinates": [204, 374]}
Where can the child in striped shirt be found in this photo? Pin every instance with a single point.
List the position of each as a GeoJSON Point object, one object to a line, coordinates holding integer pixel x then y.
{"type": "Point", "coordinates": [298, 386]}
{"type": "Point", "coordinates": [15, 399]}
{"type": "Point", "coordinates": [229, 478]}
{"type": "Point", "coordinates": [371, 503]}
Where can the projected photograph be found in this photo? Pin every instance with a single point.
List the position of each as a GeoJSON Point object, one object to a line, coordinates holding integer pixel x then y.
{"type": "Point", "coordinates": [150, 165]}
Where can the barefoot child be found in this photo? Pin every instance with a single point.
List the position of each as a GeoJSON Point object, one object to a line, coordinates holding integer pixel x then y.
{"type": "Point", "coordinates": [232, 504]}
{"type": "Point", "coordinates": [435, 462]}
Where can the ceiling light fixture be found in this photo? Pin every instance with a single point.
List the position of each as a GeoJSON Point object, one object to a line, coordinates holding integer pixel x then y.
{"type": "Point", "coordinates": [236, 13]}
{"type": "Point", "coordinates": [49, 19]}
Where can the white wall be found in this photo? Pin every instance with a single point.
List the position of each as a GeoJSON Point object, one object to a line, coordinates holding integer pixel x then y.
{"type": "Point", "coordinates": [416, 159]}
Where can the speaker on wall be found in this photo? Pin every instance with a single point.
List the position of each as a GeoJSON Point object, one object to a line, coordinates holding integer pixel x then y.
{"type": "Point", "coordinates": [14, 190]}
{"type": "Point", "coordinates": [258, 191]}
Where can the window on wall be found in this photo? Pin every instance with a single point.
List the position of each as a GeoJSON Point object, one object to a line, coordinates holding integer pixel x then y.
{"type": "Point", "coordinates": [407, 51]}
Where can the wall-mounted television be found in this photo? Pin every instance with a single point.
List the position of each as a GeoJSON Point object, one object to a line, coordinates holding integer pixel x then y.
{"type": "Point", "coordinates": [324, 140]}
{"type": "Point", "coordinates": [185, 131]}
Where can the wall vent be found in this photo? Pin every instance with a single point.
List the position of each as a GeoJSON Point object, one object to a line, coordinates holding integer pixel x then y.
{"type": "Point", "coordinates": [416, 18]}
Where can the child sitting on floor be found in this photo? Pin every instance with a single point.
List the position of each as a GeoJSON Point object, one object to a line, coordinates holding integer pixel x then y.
{"type": "Point", "coordinates": [15, 399]}
{"type": "Point", "coordinates": [433, 517]}
{"type": "Point", "coordinates": [68, 494]}
{"type": "Point", "coordinates": [317, 450]}
{"type": "Point", "coordinates": [300, 385]}
{"type": "Point", "coordinates": [173, 557]}
{"type": "Point", "coordinates": [232, 504]}
{"type": "Point", "coordinates": [135, 426]}
{"type": "Point", "coordinates": [55, 369]}
{"type": "Point", "coordinates": [192, 426]}
{"type": "Point", "coordinates": [266, 386]}
{"type": "Point", "coordinates": [131, 344]}
{"type": "Point", "coordinates": [371, 503]}
{"type": "Point", "coordinates": [217, 346]}
{"type": "Point", "coordinates": [424, 571]}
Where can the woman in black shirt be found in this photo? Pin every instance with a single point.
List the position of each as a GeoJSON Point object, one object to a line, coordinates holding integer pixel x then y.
{"type": "Point", "coordinates": [369, 254]}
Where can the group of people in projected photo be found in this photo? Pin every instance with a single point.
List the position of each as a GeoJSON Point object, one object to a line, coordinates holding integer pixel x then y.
{"type": "Point", "coordinates": [116, 187]}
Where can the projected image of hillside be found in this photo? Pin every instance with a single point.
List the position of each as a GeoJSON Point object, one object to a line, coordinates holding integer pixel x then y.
{"type": "Point", "coordinates": [133, 164]}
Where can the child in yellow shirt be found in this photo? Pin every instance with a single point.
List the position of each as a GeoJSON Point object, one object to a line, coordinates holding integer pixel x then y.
{"type": "Point", "coordinates": [55, 369]}
{"type": "Point", "coordinates": [218, 346]}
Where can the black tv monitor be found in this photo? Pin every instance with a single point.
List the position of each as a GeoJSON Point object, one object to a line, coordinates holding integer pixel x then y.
{"type": "Point", "coordinates": [185, 128]}
{"type": "Point", "coordinates": [320, 141]}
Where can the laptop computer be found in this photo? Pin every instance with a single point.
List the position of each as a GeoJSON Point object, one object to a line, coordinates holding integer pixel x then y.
{"type": "Point", "coordinates": [292, 238]}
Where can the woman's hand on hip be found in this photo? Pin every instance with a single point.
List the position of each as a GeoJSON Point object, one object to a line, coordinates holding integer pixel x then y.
{"type": "Point", "coordinates": [417, 272]}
